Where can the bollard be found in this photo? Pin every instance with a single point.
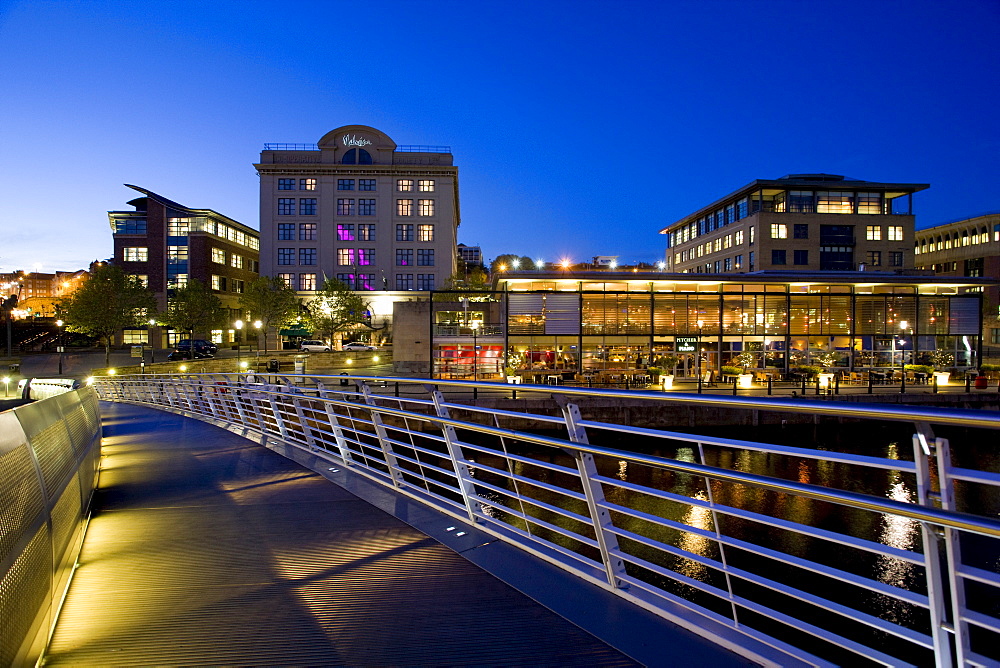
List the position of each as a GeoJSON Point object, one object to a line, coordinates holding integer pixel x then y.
{"type": "Point", "coordinates": [902, 383]}
{"type": "Point", "coordinates": [734, 386]}
{"type": "Point", "coordinates": [397, 388]}
{"type": "Point", "coordinates": [699, 383]}
{"type": "Point", "coordinates": [804, 379]}
{"type": "Point", "coordinates": [836, 384]}
{"type": "Point", "coordinates": [768, 386]}
{"type": "Point", "coordinates": [934, 382]}
{"type": "Point", "coordinates": [869, 382]}
{"type": "Point", "coordinates": [817, 386]}
{"type": "Point", "coordinates": [513, 394]}
{"type": "Point", "coordinates": [968, 382]}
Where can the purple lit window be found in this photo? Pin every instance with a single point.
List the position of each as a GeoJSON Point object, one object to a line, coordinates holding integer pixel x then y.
{"type": "Point", "coordinates": [345, 232]}
{"type": "Point", "coordinates": [404, 257]}
{"type": "Point", "coordinates": [366, 256]}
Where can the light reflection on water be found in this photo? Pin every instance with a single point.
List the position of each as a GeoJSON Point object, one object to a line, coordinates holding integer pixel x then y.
{"type": "Point", "coordinates": [902, 533]}
{"type": "Point", "coordinates": [700, 518]}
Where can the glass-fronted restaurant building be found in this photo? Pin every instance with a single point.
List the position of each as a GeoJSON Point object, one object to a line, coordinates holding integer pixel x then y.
{"type": "Point", "coordinates": [572, 322]}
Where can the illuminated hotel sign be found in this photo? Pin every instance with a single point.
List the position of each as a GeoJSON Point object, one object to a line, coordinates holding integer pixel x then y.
{"type": "Point", "coordinates": [354, 140]}
{"type": "Point", "coordinates": [686, 344]}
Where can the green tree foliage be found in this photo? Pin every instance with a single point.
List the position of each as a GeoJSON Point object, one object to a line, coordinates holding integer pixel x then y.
{"type": "Point", "coordinates": [193, 308]}
{"type": "Point", "coordinates": [270, 300]}
{"type": "Point", "coordinates": [461, 283]}
{"type": "Point", "coordinates": [107, 303]}
{"type": "Point", "coordinates": [335, 309]}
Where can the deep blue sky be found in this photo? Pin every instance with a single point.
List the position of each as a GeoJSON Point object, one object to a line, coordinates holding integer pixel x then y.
{"type": "Point", "coordinates": [579, 128]}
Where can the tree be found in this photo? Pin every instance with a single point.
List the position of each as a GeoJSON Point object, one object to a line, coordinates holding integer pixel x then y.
{"type": "Point", "coordinates": [335, 309]}
{"type": "Point", "coordinates": [106, 304]}
{"type": "Point", "coordinates": [510, 261]}
{"type": "Point", "coordinates": [459, 285]}
{"type": "Point", "coordinates": [270, 300]}
{"type": "Point", "coordinates": [193, 307]}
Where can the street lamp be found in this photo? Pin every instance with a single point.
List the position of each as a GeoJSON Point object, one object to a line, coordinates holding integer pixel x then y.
{"type": "Point", "coordinates": [6, 382]}
{"type": "Point", "coordinates": [257, 325]}
{"type": "Point", "coordinates": [59, 346]}
{"type": "Point", "coordinates": [475, 351]}
{"type": "Point", "coordinates": [903, 326]}
{"type": "Point", "coordinates": [152, 346]}
{"type": "Point", "coordinates": [701, 350]}
{"type": "Point", "coordinates": [239, 329]}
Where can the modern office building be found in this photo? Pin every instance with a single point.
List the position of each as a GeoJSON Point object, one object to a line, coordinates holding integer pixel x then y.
{"type": "Point", "coordinates": [166, 244]}
{"type": "Point", "coordinates": [800, 222]}
{"type": "Point", "coordinates": [472, 256]}
{"type": "Point", "coordinates": [571, 322]}
{"type": "Point", "coordinates": [966, 248]}
{"type": "Point", "coordinates": [358, 207]}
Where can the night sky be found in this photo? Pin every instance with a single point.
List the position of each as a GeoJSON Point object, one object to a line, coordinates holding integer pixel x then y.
{"type": "Point", "coordinates": [579, 128]}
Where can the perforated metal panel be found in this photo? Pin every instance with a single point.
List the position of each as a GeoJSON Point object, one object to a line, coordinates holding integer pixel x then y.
{"type": "Point", "coordinates": [24, 591]}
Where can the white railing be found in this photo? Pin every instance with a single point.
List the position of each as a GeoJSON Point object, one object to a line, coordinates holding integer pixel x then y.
{"type": "Point", "coordinates": [788, 557]}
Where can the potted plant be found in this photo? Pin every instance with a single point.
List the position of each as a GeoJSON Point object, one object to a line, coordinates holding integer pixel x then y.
{"type": "Point", "coordinates": [654, 373]}
{"type": "Point", "coordinates": [941, 359]}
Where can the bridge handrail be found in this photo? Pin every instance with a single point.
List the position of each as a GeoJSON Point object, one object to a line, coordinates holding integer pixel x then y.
{"type": "Point", "coordinates": [574, 525]}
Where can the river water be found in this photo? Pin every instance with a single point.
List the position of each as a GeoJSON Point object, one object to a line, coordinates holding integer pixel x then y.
{"type": "Point", "coordinates": [970, 448]}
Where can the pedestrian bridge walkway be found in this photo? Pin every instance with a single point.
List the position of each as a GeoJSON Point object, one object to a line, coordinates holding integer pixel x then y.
{"type": "Point", "coordinates": [206, 548]}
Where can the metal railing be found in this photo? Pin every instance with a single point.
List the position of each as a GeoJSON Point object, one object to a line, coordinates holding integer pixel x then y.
{"type": "Point", "coordinates": [790, 557]}
{"type": "Point", "coordinates": [291, 147]}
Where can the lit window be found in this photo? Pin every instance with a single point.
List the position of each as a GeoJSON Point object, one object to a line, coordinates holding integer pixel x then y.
{"type": "Point", "coordinates": [404, 257]}
{"type": "Point", "coordinates": [345, 232]}
{"type": "Point", "coordinates": [894, 233]}
{"type": "Point", "coordinates": [834, 202]}
{"type": "Point", "coordinates": [178, 227]}
{"type": "Point", "coordinates": [738, 263]}
{"type": "Point", "coordinates": [677, 258]}
{"type": "Point", "coordinates": [870, 203]}
{"type": "Point", "coordinates": [425, 281]}
{"type": "Point", "coordinates": [177, 254]}
{"type": "Point", "coordinates": [873, 233]}
{"type": "Point", "coordinates": [345, 257]}
{"type": "Point", "coordinates": [286, 184]}
{"type": "Point", "coordinates": [307, 232]}
{"type": "Point", "coordinates": [236, 285]}
{"type": "Point", "coordinates": [739, 237]}
{"type": "Point", "coordinates": [366, 256]}
{"type": "Point", "coordinates": [778, 231]}
{"type": "Point", "coordinates": [135, 336]}
{"type": "Point", "coordinates": [307, 184]}
{"type": "Point", "coordinates": [425, 233]}
{"type": "Point", "coordinates": [366, 184]}
{"type": "Point", "coordinates": [289, 279]}
{"type": "Point", "coordinates": [345, 207]}
{"type": "Point", "coordinates": [404, 281]}
{"type": "Point", "coordinates": [701, 249]}
{"type": "Point", "coordinates": [177, 281]}
{"type": "Point", "coordinates": [728, 241]}
{"type": "Point", "coordinates": [404, 232]}
{"type": "Point", "coordinates": [752, 228]}
{"type": "Point", "coordinates": [366, 207]}
{"type": "Point", "coordinates": [404, 207]}
{"type": "Point", "coordinates": [219, 255]}
{"type": "Point", "coordinates": [143, 280]}
{"type": "Point", "coordinates": [875, 258]}
{"type": "Point", "coordinates": [130, 226]}
{"type": "Point", "coordinates": [425, 186]}
{"type": "Point", "coordinates": [307, 281]}
{"type": "Point", "coordinates": [286, 256]}
{"type": "Point", "coordinates": [425, 257]}
{"type": "Point", "coordinates": [236, 261]}
{"type": "Point", "coordinates": [425, 207]}
{"type": "Point", "coordinates": [345, 184]}
{"type": "Point", "coordinates": [404, 185]}
{"type": "Point", "coordinates": [218, 282]}
{"type": "Point", "coordinates": [366, 233]}
{"type": "Point", "coordinates": [286, 206]}
{"type": "Point", "coordinates": [307, 206]}
{"type": "Point", "coordinates": [718, 244]}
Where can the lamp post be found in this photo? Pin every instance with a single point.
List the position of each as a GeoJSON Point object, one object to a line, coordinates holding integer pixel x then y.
{"type": "Point", "coordinates": [6, 382]}
{"type": "Point", "coordinates": [701, 350]}
{"type": "Point", "coordinates": [59, 346]}
{"type": "Point", "coordinates": [903, 326]}
{"type": "Point", "coordinates": [239, 352]}
{"type": "Point", "coordinates": [152, 345]}
{"type": "Point", "coordinates": [475, 351]}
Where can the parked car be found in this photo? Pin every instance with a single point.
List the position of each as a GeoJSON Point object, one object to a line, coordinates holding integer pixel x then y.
{"type": "Point", "coordinates": [357, 345]}
{"type": "Point", "coordinates": [200, 346]}
{"type": "Point", "coordinates": [186, 354]}
{"type": "Point", "coordinates": [314, 347]}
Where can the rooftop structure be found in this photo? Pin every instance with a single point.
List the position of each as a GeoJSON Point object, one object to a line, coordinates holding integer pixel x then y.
{"type": "Point", "coordinates": [808, 222]}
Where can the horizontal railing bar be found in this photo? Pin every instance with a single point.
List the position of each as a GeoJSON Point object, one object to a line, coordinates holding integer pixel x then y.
{"type": "Point", "coordinates": [802, 529]}
{"type": "Point", "coordinates": [530, 501]}
{"type": "Point", "coordinates": [969, 475]}
{"type": "Point", "coordinates": [837, 409]}
{"type": "Point", "coordinates": [549, 466]}
{"type": "Point", "coordinates": [982, 621]}
{"type": "Point", "coordinates": [506, 475]}
{"type": "Point", "coordinates": [717, 441]}
{"type": "Point", "coordinates": [532, 520]}
{"type": "Point", "coordinates": [978, 575]}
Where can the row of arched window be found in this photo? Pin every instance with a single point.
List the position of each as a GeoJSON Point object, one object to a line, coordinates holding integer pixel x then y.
{"type": "Point", "coordinates": [956, 239]}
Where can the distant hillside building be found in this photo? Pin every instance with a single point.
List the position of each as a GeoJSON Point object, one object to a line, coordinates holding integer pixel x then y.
{"type": "Point", "coordinates": [472, 256]}
{"type": "Point", "coordinates": [167, 244]}
{"type": "Point", "coordinates": [800, 222]}
{"type": "Point", "coordinates": [968, 248]}
{"type": "Point", "coordinates": [358, 207]}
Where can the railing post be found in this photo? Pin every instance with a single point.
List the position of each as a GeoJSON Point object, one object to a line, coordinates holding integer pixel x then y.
{"type": "Point", "coordinates": [607, 540]}
{"type": "Point", "coordinates": [338, 431]}
{"type": "Point", "coordinates": [306, 430]}
{"type": "Point", "coordinates": [923, 444]}
{"type": "Point", "coordinates": [383, 436]}
{"type": "Point", "coordinates": [463, 475]}
{"type": "Point", "coordinates": [954, 555]}
{"type": "Point", "coordinates": [279, 421]}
